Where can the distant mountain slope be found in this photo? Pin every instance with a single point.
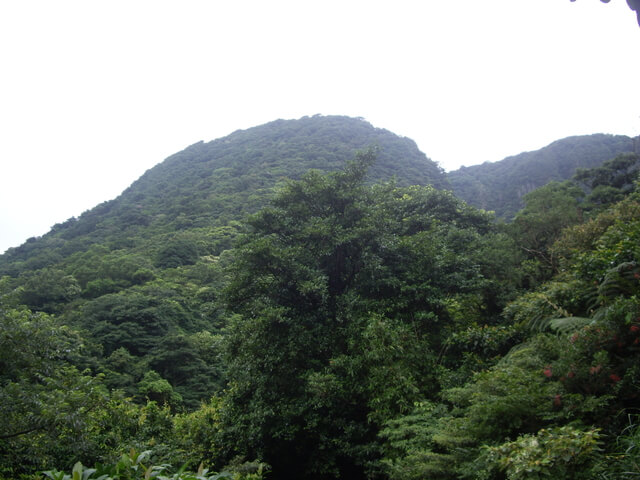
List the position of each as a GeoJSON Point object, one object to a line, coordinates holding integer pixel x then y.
{"type": "Point", "coordinates": [210, 184]}
{"type": "Point", "coordinates": [500, 186]}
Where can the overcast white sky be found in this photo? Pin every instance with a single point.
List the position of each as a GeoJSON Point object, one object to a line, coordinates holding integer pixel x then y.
{"type": "Point", "coordinates": [92, 94]}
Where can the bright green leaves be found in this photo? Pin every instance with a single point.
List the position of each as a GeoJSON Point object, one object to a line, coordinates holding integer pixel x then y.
{"type": "Point", "coordinates": [134, 465]}
{"type": "Point", "coordinates": [199, 433]}
{"type": "Point", "coordinates": [159, 390]}
{"type": "Point", "coordinates": [398, 365]}
{"type": "Point", "coordinates": [100, 270]}
{"type": "Point", "coordinates": [45, 402]}
{"type": "Point", "coordinates": [177, 252]}
{"type": "Point", "coordinates": [559, 452]}
{"type": "Point", "coordinates": [409, 450]}
{"type": "Point", "coordinates": [593, 308]}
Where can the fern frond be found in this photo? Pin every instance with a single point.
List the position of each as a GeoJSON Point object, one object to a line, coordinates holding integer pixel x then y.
{"type": "Point", "coordinates": [569, 324]}
{"type": "Point", "coordinates": [541, 319]}
{"type": "Point", "coordinates": [538, 322]}
{"type": "Point", "coordinates": [620, 280]}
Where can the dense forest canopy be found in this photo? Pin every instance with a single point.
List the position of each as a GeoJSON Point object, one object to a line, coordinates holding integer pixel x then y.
{"type": "Point", "coordinates": [362, 321]}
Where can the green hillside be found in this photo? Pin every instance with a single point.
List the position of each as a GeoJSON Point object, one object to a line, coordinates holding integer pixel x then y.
{"type": "Point", "coordinates": [500, 186]}
{"type": "Point", "coordinates": [209, 185]}
{"type": "Point", "coordinates": [231, 176]}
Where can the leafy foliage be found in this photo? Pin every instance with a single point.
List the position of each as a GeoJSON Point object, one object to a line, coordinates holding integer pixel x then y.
{"type": "Point", "coordinates": [548, 211]}
{"type": "Point", "coordinates": [341, 290]}
{"type": "Point", "coordinates": [45, 401]}
{"type": "Point", "coordinates": [136, 465]}
{"type": "Point", "coordinates": [560, 452]}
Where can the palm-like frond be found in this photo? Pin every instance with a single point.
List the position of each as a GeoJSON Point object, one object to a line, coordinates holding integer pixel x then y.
{"type": "Point", "coordinates": [569, 324]}
{"type": "Point", "coordinates": [620, 280]}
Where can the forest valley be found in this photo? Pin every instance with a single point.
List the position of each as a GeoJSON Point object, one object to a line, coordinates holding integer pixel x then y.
{"type": "Point", "coordinates": [347, 329]}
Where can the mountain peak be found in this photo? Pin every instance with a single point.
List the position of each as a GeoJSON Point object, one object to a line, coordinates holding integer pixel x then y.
{"type": "Point", "coordinates": [210, 184]}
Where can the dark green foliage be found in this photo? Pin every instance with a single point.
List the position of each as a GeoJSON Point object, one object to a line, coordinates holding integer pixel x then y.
{"type": "Point", "coordinates": [548, 211]}
{"type": "Point", "coordinates": [291, 278]}
{"type": "Point", "coordinates": [131, 320]}
{"type": "Point", "coordinates": [54, 415]}
{"type": "Point", "coordinates": [142, 329]}
{"type": "Point", "coordinates": [551, 406]}
{"type": "Point", "coordinates": [177, 252]}
{"type": "Point", "coordinates": [46, 289]}
{"type": "Point", "coordinates": [100, 270]}
{"type": "Point", "coordinates": [500, 186]}
{"type": "Point", "coordinates": [342, 293]}
{"type": "Point", "coordinates": [512, 398]}
{"type": "Point", "coordinates": [191, 366]}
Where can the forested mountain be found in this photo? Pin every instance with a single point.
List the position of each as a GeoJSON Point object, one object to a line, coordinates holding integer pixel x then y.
{"type": "Point", "coordinates": [229, 177]}
{"type": "Point", "coordinates": [351, 327]}
{"type": "Point", "coordinates": [210, 184]}
{"type": "Point", "coordinates": [500, 186]}
{"type": "Point", "coordinates": [141, 273]}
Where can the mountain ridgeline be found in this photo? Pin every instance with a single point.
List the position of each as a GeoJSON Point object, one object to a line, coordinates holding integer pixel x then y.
{"type": "Point", "coordinates": [500, 186]}
{"type": "Point", "coordinates": [228, 177]}
{"type": "Point", "coordinates": [213, 184]}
